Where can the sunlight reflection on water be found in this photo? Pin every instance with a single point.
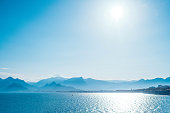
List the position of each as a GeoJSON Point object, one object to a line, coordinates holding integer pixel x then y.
{"type": "Point", "coordinates": [130, 102]}
{"type": "Point", "coordinates": [83, 103]}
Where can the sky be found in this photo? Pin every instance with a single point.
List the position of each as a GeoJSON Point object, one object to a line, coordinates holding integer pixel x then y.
{"type": "Point", "coordinates": [101, 39]}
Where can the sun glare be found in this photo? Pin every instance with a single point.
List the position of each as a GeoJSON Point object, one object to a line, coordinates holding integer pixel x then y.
{"type": "Point", "coordinates": [117, 12]}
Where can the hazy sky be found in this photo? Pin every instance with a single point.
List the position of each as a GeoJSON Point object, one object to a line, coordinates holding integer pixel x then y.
{"type": "Point", "coordinates": [101, 39]}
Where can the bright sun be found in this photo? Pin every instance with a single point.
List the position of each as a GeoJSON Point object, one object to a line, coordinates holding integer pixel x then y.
{"type": "Point", "coordinates": [117, 12]}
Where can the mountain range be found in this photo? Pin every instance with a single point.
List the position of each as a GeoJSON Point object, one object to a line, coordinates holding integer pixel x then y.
{"type": "Point", "coordinates": [77, 84]}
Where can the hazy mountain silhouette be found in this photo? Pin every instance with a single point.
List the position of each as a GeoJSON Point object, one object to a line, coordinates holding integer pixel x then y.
{"type": "Point", "coordinates": [75, 83]}
{"type": "Point", "coordinates": [57, 87]}
{"type": "Point", "coordinates": [93, 84]}
{"type": "Point", "coordinates": [49, 80]}
{"type": "Point", "coordinates": [15, 87]}
{"type": "Point", "coordinates": [142, 83]}
{"type": "Point", "coordinates": [11, 84]}
{"type": "Point", "coordinates": [10, 80]}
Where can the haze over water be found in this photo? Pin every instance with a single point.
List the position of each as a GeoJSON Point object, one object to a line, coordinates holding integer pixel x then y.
{"type": "Point", "coordinates": [83, 103]}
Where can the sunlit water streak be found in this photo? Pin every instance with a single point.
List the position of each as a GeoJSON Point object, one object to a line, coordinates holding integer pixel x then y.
{"type": "Point", "coordinates": [83, 103]}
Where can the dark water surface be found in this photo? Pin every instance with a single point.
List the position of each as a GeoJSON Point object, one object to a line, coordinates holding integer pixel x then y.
{"type": "Point", "coordinates": [83, 103]}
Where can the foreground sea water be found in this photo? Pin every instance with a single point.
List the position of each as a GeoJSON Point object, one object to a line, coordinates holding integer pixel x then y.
{"type": "Point", "coordinates": [83, 103]}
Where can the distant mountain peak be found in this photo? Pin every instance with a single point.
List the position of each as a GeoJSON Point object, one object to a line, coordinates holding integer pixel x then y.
{"type": "Point", "coordinates": [9, 78]}
{"type": "Point", "coordinates": [158, 79]}
{"type": "Point", "coordinates": [53, 84]}
{"type": "Point", "coordinates": [57, 87]}
{"type": "Point", "coordinates": [168, 78]}
{"type": "Point", "coordinates": [49, 81]}
{"type": "Point", "coordinates": [75, 81]}
{"type": "Point", "coordinates": [142, 79]}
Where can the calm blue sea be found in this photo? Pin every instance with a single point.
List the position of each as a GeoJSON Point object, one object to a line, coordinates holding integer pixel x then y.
{"type": "Point", "coordinates": [83, 103]}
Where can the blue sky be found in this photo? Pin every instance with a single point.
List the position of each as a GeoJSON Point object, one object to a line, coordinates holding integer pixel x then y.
{"type": "Point", "coordinates": [42, 38]}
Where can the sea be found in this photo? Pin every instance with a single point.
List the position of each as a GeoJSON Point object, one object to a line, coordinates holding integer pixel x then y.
{"type": "Point", "coordinates": [58, 102]}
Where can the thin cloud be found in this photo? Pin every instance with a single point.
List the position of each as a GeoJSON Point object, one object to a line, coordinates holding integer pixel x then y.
{"type": "Point", "coordinates": [6, 74]}
{"type": "Point", "coordinates": [3, 68]}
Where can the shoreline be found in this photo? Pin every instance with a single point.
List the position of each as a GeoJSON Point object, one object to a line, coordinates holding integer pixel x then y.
{"type": "Point", "coordinates": [119, 91]}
